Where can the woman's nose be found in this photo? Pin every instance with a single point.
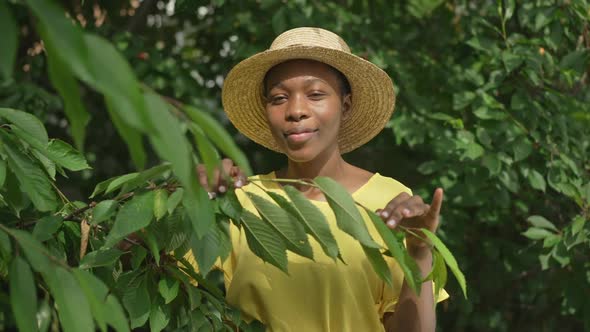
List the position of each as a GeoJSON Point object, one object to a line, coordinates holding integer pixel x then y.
{"type": "Point", "coordinates": [297, 109]}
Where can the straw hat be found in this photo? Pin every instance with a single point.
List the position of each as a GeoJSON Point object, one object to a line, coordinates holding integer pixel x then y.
{"type": "Point", "coordinates": [373, 97]}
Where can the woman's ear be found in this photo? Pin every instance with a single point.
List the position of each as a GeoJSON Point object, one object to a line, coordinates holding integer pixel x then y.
{"type": "Point", "coordinates": [346, 106]}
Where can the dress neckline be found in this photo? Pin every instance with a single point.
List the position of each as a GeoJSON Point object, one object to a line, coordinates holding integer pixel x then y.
{"type": "Point", "coordinates": [276, 186]}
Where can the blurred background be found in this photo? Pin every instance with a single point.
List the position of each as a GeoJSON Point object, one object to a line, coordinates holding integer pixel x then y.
{"type": "Point", "coordinates": [493, 105]}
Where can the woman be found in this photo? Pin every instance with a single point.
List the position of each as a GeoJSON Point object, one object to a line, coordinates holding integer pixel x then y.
{"type": "Point", "coordinates": [309, 98]}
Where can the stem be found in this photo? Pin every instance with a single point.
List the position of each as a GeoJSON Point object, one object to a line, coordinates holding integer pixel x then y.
{"type": "Point", "coordinates": [301, 182]}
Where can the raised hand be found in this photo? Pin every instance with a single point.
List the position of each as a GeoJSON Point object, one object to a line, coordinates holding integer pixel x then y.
{"type": "Point", "coordinates": [227, 171]}
{"type": "Point", "coordinates": [412, 212]}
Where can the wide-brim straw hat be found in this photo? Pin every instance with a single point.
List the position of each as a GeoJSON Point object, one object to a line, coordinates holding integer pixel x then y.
{"type": "Point", "coordinates": [373, 96]}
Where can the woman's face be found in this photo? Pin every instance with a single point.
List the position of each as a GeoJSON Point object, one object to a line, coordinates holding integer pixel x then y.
{"type": "Point", "coordinates": [305, 108]}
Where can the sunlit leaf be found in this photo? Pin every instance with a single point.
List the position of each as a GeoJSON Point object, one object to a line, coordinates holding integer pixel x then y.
{"type": "Point", "coordinates": [264, 241]}
{"type": "Point", "coordinates": [136, 300]}
{"type": "Point", "coordinates": [159, 317]}
{"type": "Point", "coordinates": [103, 211]}
{"type": "Point", "coordinates": [200, 211]}
{"type": "Point", "coordinates": [206, 150]}
{"type": "Point", "coordinates": [313, 220]}
{"type": "Point", "coordinates": [101, 257]}
{"type": "Point", "coordinates": [133, 216]}
{"type": "Point", "coordinates": [168, 288]}
{"type": "Point", "coordinates": [74, 310]}
{"type": "Point", "coordinates": [379, 265]}
{"type": "Point", "coordinates": [46, 227]}
{"type": "Point", "coordinates": [23, 295]}
{"type": "Point", "coordinates": [132, 137]}
{"type": "Point", "coordinates": [64, 154]}
{"type": "Point", "coordinates": [540, 221]}
{"type": "Point", "coordinates": [412, 273]}
{"type": "Point", "coordinates": [27, 122]}
{"type": "Point", "coordinates": [286, 225]}
{"type": "Point", "coordinates": [174, 199]}
{"type": "Point", "coordinates": [219, 136]}
{"type": "Point", "coordinates": [160, 203]}
{"type": "Point", "coordinates": [448, 257]}
{"type": "Point", "coordinates": [535, 233]}
{"type": "Point", "coordinates": [67, 86]}
{"type": "Point", "coordinates": [347, 215]}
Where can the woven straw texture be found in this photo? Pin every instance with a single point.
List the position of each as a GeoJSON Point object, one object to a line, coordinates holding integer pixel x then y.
{"type": "Point", "coordinates": [373, 96]}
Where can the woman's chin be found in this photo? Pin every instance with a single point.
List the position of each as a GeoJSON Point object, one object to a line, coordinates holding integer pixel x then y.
{"type": "Point", "coordinates": [301, 155]}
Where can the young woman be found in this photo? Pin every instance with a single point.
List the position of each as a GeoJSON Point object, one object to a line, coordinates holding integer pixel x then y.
{"type": "Point", "coordinates": [309, 98]}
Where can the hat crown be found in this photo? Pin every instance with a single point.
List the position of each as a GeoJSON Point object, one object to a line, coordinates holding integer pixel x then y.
{"type": "Point", "coordinates": [312, 37]}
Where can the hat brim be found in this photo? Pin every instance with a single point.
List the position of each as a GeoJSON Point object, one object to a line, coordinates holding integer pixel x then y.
{"type": "Point", "coordinates": [373, 96]}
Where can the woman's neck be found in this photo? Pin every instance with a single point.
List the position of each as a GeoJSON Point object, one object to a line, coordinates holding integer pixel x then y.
{"type": "Point", "coordinates": [329, 164]}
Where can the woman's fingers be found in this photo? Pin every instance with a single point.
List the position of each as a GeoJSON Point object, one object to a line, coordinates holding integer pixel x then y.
{"type": "Point", "coordinates": [221, 178]}
{"type": "Point", "coordinates": [402, 207]}
{"type": "Point", "coordinates": [202, 175]}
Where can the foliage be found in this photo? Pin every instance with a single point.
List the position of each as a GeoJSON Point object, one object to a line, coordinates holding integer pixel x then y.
{"type": "Point", "coordinates": [492, 106]}
{"type": "Point", "coordinates": [72, 257]}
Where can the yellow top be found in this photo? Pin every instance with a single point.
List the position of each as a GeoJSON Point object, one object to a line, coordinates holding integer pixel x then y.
{"type": "Point", "coordinates": [324, 295]}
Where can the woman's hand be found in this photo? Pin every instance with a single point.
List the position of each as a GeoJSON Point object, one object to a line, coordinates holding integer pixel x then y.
{"type": "Point", "coordinates": [412, 212]}
{"type": "Point", "coordinates": [219, 184]}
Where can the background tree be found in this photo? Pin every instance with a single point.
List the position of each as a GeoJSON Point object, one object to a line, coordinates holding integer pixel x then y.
{"type": "Point", "coordinates": [492, 106]}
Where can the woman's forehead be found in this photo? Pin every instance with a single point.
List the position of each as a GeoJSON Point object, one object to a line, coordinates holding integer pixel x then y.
{"type": "Point", "coordinates": [309, 69]}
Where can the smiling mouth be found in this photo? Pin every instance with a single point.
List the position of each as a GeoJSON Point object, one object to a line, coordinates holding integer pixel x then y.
{"type": "Point", "coordinates": [300, 137]}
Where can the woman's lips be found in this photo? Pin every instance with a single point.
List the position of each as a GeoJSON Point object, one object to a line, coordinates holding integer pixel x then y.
{"type": "Point", "coordinates": [299, 138]}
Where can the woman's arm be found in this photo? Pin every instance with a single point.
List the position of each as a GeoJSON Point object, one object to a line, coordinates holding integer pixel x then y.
{"type": "Point", "coordinates": [414, 313]}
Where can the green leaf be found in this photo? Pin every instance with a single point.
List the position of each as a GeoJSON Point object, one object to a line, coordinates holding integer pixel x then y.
{"type": "Point", "coordinates": [169, 140]}
{"type": "Point", "coordinates": [138, 255]}
{"type": "Point", "coordinates": [412, 273]}
{"type": "Point", "coordinates": [541, 222]}
{"type": "Point", "coordinates": [200, 211]}
{"type": "Point", "coordinates": [231, 206]}
{"type": "Point", "coordinates": [578, 224]}
{"type": "Point", "coordinates": [133, 182]}
{"type": "Point", "coordinates": [284, 224]}
{"type": "Point", "coordinates": [63, 35]}
{"type": "Point", "coordinates": [96, 293]}
{"type": "Point", "coordinates": [537, 180]}
{"type": "Point", "coordinates": [36, 253]}
{"type": "Point", "coordinates": [64, 155]}
{"type": "Point", "coordinates": [220, 137]}
{"type": "Point", "coordinates": [206, 150]}
{"type": "Point", "coordinates": [510, 5]}
{"type": "Point", "coordinates": [535, 233]}
{"type": "Point", "coordinates": [206, 250]}
{"type": "Point", "coordinates": [132, 137]}
{"type": "Point", "coordinates": [264, 241]}
{"type": "Point", "coordinates": [103, 211]}
{"type": "Point", "coordinates": [44, 316]}
{"type": "Point", "coordinates": [47, 164]}
{"type": "Point", "coordinates": [312, 219]}
{"type": "Point", "coordinates": [379, 265]}
{"type": "Point", "coordinates": [46, 227]}
{"type": "Point", "coordinates": [65, 83]}
{"type": "Point", "coordinates": [152, 243]}
{"type": "Point", "coordinates": [136, 300]}
{"type": "Point", "coordinates": [2, 172]}
{"type": "Point", "coordinates": [115, 315]}
{"type": "Point", "coordinates": [101, 257]}
{"type": "Point", "coordinates": [5, 245]}
{"type": "Point", "coordinates": [23, 295]}
{"type": "Point", "coordinates": [159, 317]}
{"type": "Point", "coordinates": [168, 288]}
{"type": "Point", "coordinates": [463, 99]}
{"type": "Point", "coordinates": [133, 216]}
{"type": "Point", "coordinates": [9, 48]}
{"type": "Point", "coordinates": [112, 75]}
{"type": "Point", "coordinates": [347, 215]}
{"type": "Point", "coordinates": [174, 199]}
{"type": "Point", "coordinates": [27, 122]}
{"type": "Point", "coordinates": [522, 149]}
{"type": "Point", "coordinates": [439, 273]}
{"type": "Point", "coordinates": [160, 203]}
{"type": "Point", "coordinates": [448, 257]}
{"type": "Point", "coordinates": [74, 310]}
{"type": "Point", "coordinates": [31, 178]}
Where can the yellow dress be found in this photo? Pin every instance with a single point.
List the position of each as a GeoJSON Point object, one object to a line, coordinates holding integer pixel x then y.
{"type": "Point", "coordinates": [324, 295]}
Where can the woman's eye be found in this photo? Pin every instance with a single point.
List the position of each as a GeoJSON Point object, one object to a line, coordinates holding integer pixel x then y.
{"type": "Point", "coordinates": [316, 95]}
{"type": "Point", "coordinates": [277, 99]}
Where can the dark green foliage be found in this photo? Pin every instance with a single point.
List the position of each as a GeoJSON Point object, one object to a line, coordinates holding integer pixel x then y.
{"type": "Point", "coordinates": [493, 106]}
